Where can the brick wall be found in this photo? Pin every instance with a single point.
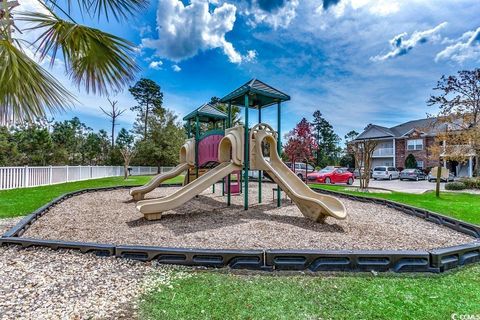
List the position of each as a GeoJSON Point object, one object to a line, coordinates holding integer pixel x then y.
{"type": "Point", "coordinates": [400, 155]}
{"type": "Point", "coordinates": [424, 155]}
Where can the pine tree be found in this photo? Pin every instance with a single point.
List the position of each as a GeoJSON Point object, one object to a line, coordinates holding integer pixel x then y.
{"type": "Point", "coordinates": [326, 139]}
{"type": "Point", "coordinates": [149, 99]}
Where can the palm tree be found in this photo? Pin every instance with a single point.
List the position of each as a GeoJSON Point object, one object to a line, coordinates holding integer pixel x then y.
{"type": "Point", "coordinates": [94, 60]}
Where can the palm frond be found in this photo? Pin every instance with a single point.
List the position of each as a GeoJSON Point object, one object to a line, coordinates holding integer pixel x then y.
{"type": "Point", "coordinates": [120, 9]}
{"type": "Point", "coordinates": [26, 89]}
{"type": "Point", "coordinates": [94, 59]}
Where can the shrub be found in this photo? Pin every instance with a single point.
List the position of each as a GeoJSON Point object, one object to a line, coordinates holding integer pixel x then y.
{"type": "Point", "coordinates": [410, 162]}
{"type": "Point", "coordinates": [471, 183]}
{"type": "Point", "coordinates": [455, 186]}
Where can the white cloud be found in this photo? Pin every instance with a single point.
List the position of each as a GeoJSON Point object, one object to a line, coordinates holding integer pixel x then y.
{"type": "Point", "coordinates": [155, 65]}
{"type": "Point", "coordinates": [30, 36]}
{"type": "Point", "coordinates": [375, 7]}
{"type": "Point", "coordinates": [276, 13]}
{"type": "Point", "coordinates": [384, 7]}
{"type": "Point", "coordinates": [144, 30]}
{"type": "Point", "coordinates": [467, 47]}
{"type": "Point", "coordinates": [401, 45]}
{"type": "Point", "coordinates": [250, 56]}
{"type": "Point", "coordinates": [184, 30]}
{"type": "Point", "coordinates": [31, 6]}
{"type": "Point", "coordinates": [176, 68]}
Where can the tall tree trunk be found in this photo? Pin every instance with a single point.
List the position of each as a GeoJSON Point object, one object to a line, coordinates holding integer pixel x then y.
{"type": "Point", "coordinates": [127, 156]}
{"type": "Point", "coordinates": [476, 168]}
{"type": "Point", "coordinates": [146, 123]}
{"type": "Point", "coordinates": [113, 133]}
{"type": "Point", "coordinates": [439, 177]}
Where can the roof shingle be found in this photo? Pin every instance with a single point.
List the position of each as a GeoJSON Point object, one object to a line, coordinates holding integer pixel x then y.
{"type": "Point", "coordinates": [206, 110]}
{"type": "Point", "coordinates": [428, 126]}
{"type": "Point", "coordinates": [261, 95]}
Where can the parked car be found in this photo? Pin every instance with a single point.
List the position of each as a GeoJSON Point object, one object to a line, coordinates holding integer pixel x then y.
{"type": "Point", "coordinates": [432, 178]}
{"type": "Point", "coordinates": [332, 175]}
{"type": "Point", "coordinates": [357, 172]}
{"type": "Point", "coordinates": [412, 174]}
{"type": "Point", "coordinates": [254, 175]}
{"type": "Point", "coordinates": [384, 172]}
{"type": "Point", "coordinates": [301, 169]}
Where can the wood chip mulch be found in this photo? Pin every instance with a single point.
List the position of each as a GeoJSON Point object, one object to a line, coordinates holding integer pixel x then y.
{"type": "Point", "coordinates": [207, 222]}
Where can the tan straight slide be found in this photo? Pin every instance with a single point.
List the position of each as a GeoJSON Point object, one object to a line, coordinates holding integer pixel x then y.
{"type": "Point", "coordinates": [138, 193]}
{"type": "Point", "coordinates": [152, 209]}
{"type": "Point", "coordinates": [187, 160]}
{"type": "Point", "coordinates": [230, 158]}
{"type": "Point", "coordinates": [313, 205]}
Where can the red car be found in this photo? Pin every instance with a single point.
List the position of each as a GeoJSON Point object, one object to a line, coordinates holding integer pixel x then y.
{"type": "Point", "coordinates": [331, 175]}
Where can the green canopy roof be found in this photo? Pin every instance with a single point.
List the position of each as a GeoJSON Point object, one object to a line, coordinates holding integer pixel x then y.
{"type": "Point", "coordinates": [206, 113]}
{"type": "Point", "coordinates": [260, 95]}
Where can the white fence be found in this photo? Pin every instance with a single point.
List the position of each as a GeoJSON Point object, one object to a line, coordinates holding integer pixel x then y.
{"type": "Point", "coordinates": [22, 177]}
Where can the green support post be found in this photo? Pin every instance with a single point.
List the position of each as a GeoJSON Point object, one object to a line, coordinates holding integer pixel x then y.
{"type": "Point", "coordinates": [246, 162]}
{"type": "Point", "coordinates": [229, 179]}
{"type": "Point", "coordinates": [279, 147]}
{"type": "Point", "coordinates": [197, 136]}
{"type": "Point", "coordinates": [259, 171]}
{"type": "Point", "coordinates": [223, 180]}
{"type": "Point", "coordinates": [189, 135]}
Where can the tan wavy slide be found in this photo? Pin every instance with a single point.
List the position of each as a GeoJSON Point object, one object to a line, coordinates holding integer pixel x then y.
{"type": "Point", "coordinates": [230, 156]}
{"type": "Point", "coordinates": [187, 160]}
{"type": "Point", "coordinates": [313, 205]}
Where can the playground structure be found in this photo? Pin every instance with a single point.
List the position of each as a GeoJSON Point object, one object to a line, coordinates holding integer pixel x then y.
{"type": "Point", "coordinates": [263, 238]}
{"type": "Point", "coordinates": [232, 149]}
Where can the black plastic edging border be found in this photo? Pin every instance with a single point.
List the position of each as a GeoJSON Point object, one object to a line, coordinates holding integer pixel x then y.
{"type": "Point", "coordinates": [351, 260]}
{"type": "Point", "coordinates": [235, 259]}
{"type": "Point", "coordinates": [449, 222]}
{"type": "Point", "coordinates": [24, 224]}
{"type": "Point", "coordinates": [437, 260]}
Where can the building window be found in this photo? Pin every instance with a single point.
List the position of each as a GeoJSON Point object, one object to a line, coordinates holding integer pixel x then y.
{"type": "Point", "coordinates": [420, 164]}
{"type": "Point", "coordinates": [415, 144]}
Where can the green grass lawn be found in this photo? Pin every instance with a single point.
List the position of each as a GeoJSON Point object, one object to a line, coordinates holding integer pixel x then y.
{"type": "Point", "coordinates": [385, 296]}
{"type": "Point", "coordinates": [19, 202]}
{"type": "Point", "coordinates": [213, 295]}
{"type": "Point", "coordinates": [463, 206]}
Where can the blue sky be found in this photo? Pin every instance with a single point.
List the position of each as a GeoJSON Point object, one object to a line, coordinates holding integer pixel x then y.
{"type": "Point", "coordinates": [358, 61]}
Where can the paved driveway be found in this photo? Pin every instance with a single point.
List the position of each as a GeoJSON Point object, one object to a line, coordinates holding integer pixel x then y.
{"type": "Point", "coordinates": [403, 186]}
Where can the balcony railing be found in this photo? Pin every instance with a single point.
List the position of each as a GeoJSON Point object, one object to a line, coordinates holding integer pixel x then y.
{"type": "Point", "coordinates": [383, 152]}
